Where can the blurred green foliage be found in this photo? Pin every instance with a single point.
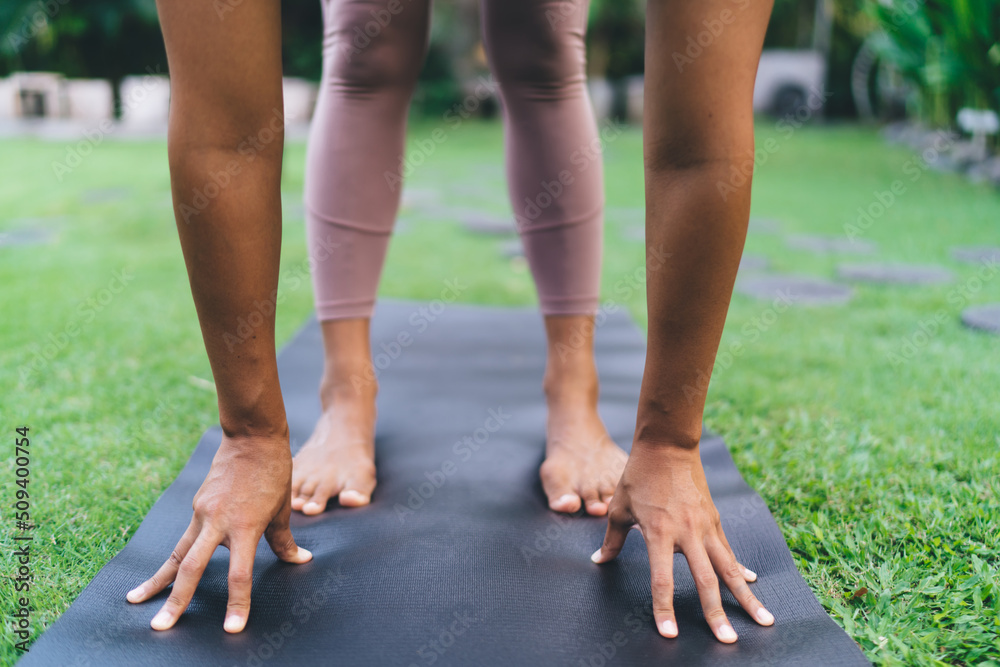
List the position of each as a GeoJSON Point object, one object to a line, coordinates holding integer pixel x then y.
{"type": "Point", "coordinates": [949, 50]}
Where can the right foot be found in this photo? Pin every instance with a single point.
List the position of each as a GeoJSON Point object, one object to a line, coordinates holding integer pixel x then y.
{"type": "Point", "coordinates": [338, 460]}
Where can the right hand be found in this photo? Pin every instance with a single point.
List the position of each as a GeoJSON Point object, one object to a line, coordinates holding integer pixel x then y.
{"type": "Point", "coordinates": [663, 492]}
{"type": "Point", "coordinates": [246, 494]}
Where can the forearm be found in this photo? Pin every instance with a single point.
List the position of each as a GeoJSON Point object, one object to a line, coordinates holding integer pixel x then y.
{"type": "Point", "coordinates": [232, 250]}
{"type": "Point", "coordinates": [698, 125]}
{"type": "Point", "coordinates": [225, 148]}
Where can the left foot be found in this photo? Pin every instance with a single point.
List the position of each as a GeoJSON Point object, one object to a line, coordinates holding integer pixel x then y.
{"type": "Point", "coordinates": [582, 463]}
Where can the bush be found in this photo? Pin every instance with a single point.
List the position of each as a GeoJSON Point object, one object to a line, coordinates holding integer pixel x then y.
{"type": "Point", "coordinates": [949, 50]}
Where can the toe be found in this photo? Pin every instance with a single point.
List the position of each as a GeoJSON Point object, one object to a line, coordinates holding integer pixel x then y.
{"type": "Point", "coordinates": [305, 491]}
{"type": "Point", "coordinates": [358, 487]}
{"type": "Point", "coordinates": [558, 488]}
{"type": "Point", "coordinates": [317, 502]}
{"type": "Point", "coordinates": [352, 498]}
{"type": "Point", "coordinates": [592, 501]}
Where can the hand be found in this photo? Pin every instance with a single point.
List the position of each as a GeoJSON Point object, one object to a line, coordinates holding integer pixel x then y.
{"type": "Point", "coordinates": [247, 493]}
{"type": "Point", "coordinates": [664, 492]}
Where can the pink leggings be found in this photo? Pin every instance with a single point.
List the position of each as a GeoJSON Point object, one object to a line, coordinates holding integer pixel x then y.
{"type": "Point", "coordinates": [372, 53]}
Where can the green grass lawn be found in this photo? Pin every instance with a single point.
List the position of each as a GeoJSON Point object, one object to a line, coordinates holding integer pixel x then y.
{"type": "Point", "coordinates": [883, 474]}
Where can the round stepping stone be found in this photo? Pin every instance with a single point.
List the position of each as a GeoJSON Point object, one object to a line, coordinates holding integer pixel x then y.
{"type": "Point", "coordinates": [764, 226]}
{"type": "Point", "coordinates": [797, 290]}
{"type": "Point", "coordinates": [482, 224]}
{"type": "Point", "coordinates": [896, 274]}
{"type": "Point", "coordinates": [831, 244]}
{"type": "Point", "coordinates": [26, 237]}
{"type": "Point", "coordinates": [625, 215]}
{"type": "Point", "coordinates": [753, 263]}
{"type": "Point", "coordinates": [986, 318]}
{"type": "Point", "coordinates": [293, 212]}
{"type": "Point", "coordinates": [513, 248]}
{"type": "Point", "coordinates": [104, 195]}
{"type": "Point", "coordinates": [634, 234]}
{"type": "Point", "coordinates": [976, 254]}
{"type": "Point", "coordinates": [418, 196]}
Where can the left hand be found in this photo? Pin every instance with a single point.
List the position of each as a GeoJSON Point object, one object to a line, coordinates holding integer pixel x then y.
{"type": "Point", "coordinates": [664, 492]}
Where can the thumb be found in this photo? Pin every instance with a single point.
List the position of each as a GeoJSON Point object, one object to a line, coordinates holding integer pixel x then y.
{"type": "Point", "coordinates": [619, 523]}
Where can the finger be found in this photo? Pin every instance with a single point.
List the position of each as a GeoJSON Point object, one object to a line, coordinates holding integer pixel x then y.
{"type": "Point", "coordinates": [318, 500]}
{"type": "Point", "coordinates": [733, 574]}
{"type": "Point", "coordinates": [661, 579]}
{"type": "Point", "coordinates": [241, 557]}
{"type": "Point", "coordinates": [188, 575]}
{"type": "Point", "coordinates": [748, 574]}
{"type": "Point", "coordinates": [165, 575]}
{"type": "Point", "coordinates": [708, 591]}
{"type": "Point", "coordinates": [559, 489]}
{"type": "Point", "coordinates": [358, 488]}
{"type": "Point", "coordinates": [619, 523]}
{"type": "Point", "coordinates": [279, 537]}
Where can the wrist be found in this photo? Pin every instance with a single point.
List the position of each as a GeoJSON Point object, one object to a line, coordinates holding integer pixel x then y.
{"type": "Point", "coordinates": [659, 428]}
{"type": "Point", "coordinates": [259, 420]}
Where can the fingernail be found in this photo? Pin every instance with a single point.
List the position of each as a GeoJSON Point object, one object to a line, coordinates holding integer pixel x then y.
{"type": "Point", "coordinates": [233, 623]}
{"type": "Point", "coordinates": [669, 628]}
{"type": "Point", "coordinates": [764, 616]}
{"type": "Point", "coordinates": [751, 575]}
{"type": "Point", "coordinates": [565, 499]}
{"type": "Point", "coordinates": [596, 556]}
{"type": "Point", "coordinates": [161, 621]}
{"type": "Point", "coordinates": [135, 594]}
{"type": "Point", "coordinates": [304, 554]}
{"type": "Point", "coordinates": [726, 633]}
{"type": "Point", "coordinates": [311, 507]}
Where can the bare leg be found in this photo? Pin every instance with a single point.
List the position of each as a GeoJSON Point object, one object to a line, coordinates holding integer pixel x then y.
{"type": "Point", "coordinates": [582, 463]}
{"type": "Point", "coordinates": [339, 459]}
{"type": "Point", "coordinates": [352, 196]}
{"type": "Point", "coordinates": [536, 50]}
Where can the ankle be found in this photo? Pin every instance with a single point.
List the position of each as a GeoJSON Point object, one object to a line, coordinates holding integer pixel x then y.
{"type": "Point", "coordinates": [359, 384]}
{"type": "Point", "coordinates": [566, 387]}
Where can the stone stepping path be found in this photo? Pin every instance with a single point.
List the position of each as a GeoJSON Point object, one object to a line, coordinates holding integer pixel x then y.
{"type": "Point", "coordinates": [797, 290]}
{"type": "Point", "coordinates": [634, 234]}
{"type": "Point", "coordinates": [764, 226]}
{"type": "Point", "coordinates": [26, 237]}
{"type": "Point", "coordinates": [416, 197]}
{"type": "Point", "coordinates": [895, 274]}
{"type": "Point", "coordinates": [104, 195]}
{"type": "Point", "coordinates": [490, 225]}
{"type": "Point", "coordinates": [984, 318]}
{"type": "Point", "coordinates": [754, 263]}
{"type": "Point", "coordinates": [511, 249]}
{"type": "Point", "coordinates": [976, 254]}
{"type": "Point", "coordinates": [830, 244]}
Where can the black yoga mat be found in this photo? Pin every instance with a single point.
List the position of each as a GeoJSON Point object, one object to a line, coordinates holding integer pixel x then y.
{"type": "Point", "coordinates": [458, 561]}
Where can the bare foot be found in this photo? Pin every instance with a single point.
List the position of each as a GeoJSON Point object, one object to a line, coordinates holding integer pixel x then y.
{"type": "Point", "coordinates": [582, 463]}
{"type": "Point", "coordinates": [338, 460]}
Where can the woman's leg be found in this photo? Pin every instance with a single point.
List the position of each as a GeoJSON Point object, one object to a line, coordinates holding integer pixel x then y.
{"type": "Point", "coordinates": [372, 54]}
{"type": "Point", "coordinates": [536, 51]}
